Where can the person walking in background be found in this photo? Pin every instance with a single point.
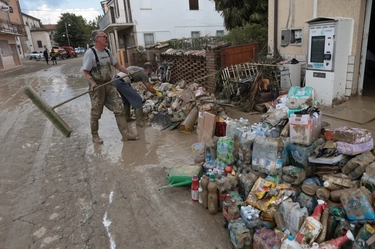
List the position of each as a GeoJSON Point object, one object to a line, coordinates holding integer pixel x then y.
{"type": "Point", "coordinates": [53, 57]}
{"type": "Point", "coordinates": [46, 55]}
{"type": "Point", "coordinates": [98, 63]}
{"type": "Point", "coordinates": [130, 96]}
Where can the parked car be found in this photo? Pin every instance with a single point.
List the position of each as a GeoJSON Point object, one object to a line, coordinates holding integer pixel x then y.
{"type": "Point", "coordinates": [36, 55]}
{"type": "Point", "coordinates": [79, 50]}
{"type": "Point", "coordinates": [62, 54]}
{"type": "Point", "coordinates": [69, 51]}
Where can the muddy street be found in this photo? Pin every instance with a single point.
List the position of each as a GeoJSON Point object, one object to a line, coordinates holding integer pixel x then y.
{"type": "Point", "coordinates": [59, 192]}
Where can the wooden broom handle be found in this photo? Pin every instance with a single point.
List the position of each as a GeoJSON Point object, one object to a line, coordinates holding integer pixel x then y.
{"type": "Point", "coordinates": [107, 83]}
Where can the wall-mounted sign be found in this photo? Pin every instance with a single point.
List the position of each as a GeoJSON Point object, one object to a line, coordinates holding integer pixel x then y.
{"type": "Point", "coordinates": [5, 8]}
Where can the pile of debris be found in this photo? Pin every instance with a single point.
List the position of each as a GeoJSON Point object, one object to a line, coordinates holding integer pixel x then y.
{"type": "Point", "coordinates": [247, 86]}
{"type": "Point", "coordinates": [179, 105]}
{"type": "Point", "coordinates": [250, 86]}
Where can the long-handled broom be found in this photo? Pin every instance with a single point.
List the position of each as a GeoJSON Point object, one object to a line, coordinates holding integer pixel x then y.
{"type": "Point", "coordinates": [49, 111]}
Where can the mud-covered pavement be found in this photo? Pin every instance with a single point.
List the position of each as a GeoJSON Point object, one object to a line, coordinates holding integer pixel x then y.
{"type": "Point", "coordinates": [59, 192]}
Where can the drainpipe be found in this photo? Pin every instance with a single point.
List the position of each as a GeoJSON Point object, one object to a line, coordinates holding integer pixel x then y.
{"type": "Point", "coordinates": [315, 9]}
{"type": "Point", "coordinates": [275, 16]}
{"type": "Point", "coordinates": [116, 38]}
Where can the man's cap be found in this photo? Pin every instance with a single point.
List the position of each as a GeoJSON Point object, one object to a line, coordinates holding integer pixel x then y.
{"type": "Point", "coordinates": [147, 65]}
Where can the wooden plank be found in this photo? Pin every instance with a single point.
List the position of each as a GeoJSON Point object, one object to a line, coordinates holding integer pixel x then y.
{"type": "Point", "coordinates": [239, 54]}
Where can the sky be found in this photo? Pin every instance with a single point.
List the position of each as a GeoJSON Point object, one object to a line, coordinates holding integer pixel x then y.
{"type": "Point", "coordinates": [49, 11]}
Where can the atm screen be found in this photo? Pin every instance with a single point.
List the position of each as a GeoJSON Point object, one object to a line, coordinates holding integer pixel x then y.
{"type": "Point", "coordinates": [317, 49]}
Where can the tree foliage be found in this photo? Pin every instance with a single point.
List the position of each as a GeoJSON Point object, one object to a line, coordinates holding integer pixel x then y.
{"type": "Point", "coordinates": [248, 34]}
{"type": "Point", "coordinates": [238, 13]}
{"type": "Point", "coordinates": [76, 27]}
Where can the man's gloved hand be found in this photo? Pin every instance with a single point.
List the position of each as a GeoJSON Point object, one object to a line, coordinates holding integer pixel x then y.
{"type": "Point", "coordinates": [158, 93]}
{"type": "Point", "coordinates": [93, 85]}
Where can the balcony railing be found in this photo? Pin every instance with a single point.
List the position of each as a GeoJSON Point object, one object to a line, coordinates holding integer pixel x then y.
{"type": "Point", "coordinates": [12, 28]}
{"type": "Point", "coordinates": [105, 21]}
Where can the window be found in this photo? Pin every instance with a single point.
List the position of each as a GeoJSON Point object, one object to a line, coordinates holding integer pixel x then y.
{"type": "Point", "coordinates": [149, 39]}
{"type": "Point", "coordinates": [195, 34]}
{"type": "Point", "coordinates": [113, 19]}
{"type": "Point", "coordinates": [193, 5]}
{"type": "Point", "coordinates": [39, 44]}
{"type": "Point", "coordinates": [219, 32]}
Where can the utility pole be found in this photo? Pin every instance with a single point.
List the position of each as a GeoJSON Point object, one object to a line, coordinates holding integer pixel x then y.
{"type": "Point", "coordinates": [67, 34]}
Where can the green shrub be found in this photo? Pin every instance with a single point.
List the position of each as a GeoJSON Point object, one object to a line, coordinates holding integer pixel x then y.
{"type": "Point", "coordinates": [249, 34]}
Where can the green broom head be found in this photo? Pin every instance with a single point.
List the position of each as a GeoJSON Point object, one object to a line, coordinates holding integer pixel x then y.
{"type": "Point", "coordinates": [48, 111]}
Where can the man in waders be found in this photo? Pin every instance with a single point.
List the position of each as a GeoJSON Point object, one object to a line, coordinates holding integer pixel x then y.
{"type": "Point", "coordinates": [98, 63]}
{"type": "Point", "coordinates": [129, 96]}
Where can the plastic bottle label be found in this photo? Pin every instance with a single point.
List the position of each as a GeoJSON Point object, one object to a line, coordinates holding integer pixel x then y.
{"type": "Point", "coordinates": [195, 195]}
{"type": "Point", "coordinates": [225, 214]}
{"type": "Point", "coordinates": [279, 163]}
{"type": "Point", "coordinates": [270, 165]}
{"type": "Point", "coordinates": [262, 161]}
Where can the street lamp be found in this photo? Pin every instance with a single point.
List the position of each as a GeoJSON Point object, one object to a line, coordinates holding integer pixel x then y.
{"type": "Point", "coordinates": [67, 34]}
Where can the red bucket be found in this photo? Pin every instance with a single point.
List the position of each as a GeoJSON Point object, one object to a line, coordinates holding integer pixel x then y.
{"type": "Point", "coordinates": [221, 129]}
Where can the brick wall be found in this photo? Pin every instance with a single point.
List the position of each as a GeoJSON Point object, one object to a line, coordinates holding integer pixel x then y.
{"type": "Point", "coordinates": [197, 66]}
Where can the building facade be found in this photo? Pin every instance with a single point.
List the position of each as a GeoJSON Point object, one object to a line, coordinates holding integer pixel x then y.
{"type": "Point", "coordinates": [292, 24]}
{"type": "Point", "coordinates": [11, 33]}
{"type": "Point", "coordinates": [143, 22]}
{"type": "Point", "coordinates": [38, 38]}
{"type": "Point", "coordinates": [51, 30]}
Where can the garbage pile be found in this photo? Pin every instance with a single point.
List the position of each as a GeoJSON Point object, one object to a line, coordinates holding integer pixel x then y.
{"type": "Point", "coordinates": [287, 182]}
{"type": "Point", "coordinates": [178, 108]}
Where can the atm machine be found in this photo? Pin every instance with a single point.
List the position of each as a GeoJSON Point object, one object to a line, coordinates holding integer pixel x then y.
{"type": "Point", "coordinates": [329, 48]}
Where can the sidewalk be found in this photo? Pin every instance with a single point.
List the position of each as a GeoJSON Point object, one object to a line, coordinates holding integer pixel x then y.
{"type": "Point", "coordinates": [350, 113]}
{"type": "Point", "coordinates": [358, 112]}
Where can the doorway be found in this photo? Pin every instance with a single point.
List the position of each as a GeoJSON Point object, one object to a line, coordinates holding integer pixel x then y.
{"type": "Point", "coordinates": [369, 75]}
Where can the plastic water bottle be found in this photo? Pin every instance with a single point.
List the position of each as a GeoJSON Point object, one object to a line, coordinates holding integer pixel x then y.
{"type": "Point", "coordinates": [207, 156]}
{"type": "Point", "coordinates": [226, 204]}
{"type": "Point", "coordinates": [368, 181]}
{"type": "Point", "coordinates": [241, 121]}
{"type": "Point", "coordinates": [200, 200]}
{"type": "Point", "coordinates": [262, 153]}
{"type": "Point", "coordinates": [233, 211]}
{"type": "Point", "coordinates": [232, 125]}
{"type": "Point", "coordinates": [290, 243]}
{"type": "Point", "coordinates": [213, 204]}
{"type": "Point", "coordinates": [250, 216]}
{"type": "Point", "coordinates": [256, 152]}
{"type": "Point", "coordinates": [236, 140]}
{"type": "Point", "coordinates": [204, 184]}
{"type": "Point", "coordinates": [195, 189]}
{"type": "Point", "coordinates": [273, 158]}
{"type": "Point", "coordinates": [246, 122]}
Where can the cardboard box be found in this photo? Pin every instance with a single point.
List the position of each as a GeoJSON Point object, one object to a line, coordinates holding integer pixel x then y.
{"type": "Point", "coordinates": [352, 135]}
{"type": "Point", "coordinates": [303, 128]}
{"type": "Point", "coordinates": [206, 126]}
{"type": "Point", "coordinates": [354, 149]}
